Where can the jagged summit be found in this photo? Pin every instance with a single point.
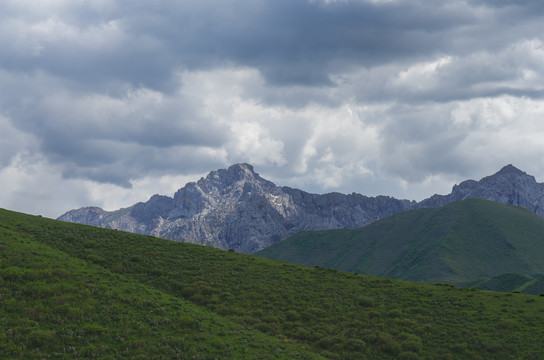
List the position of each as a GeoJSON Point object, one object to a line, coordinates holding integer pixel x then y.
{"type": "Point", "coordinates": [511, 173]}
{"type": "Point", "coordinates": [509, 186]}
{"type": "Point", "coordinates": [236, 173]}
{"type": "Point", "coordinates": [510, 170]}
{"type": "Point", "coordinates": [509, 176]}
{"type": "Point", "coordinates": [242, 168]}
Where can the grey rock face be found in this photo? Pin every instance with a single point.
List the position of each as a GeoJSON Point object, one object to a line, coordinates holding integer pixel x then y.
{"type": "Point", "coordinates": [237, 209]}
{"type": "Point", "coordinates": [508, 186]}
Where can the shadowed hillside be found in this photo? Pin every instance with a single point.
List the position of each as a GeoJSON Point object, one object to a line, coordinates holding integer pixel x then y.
{"type": "Point", "coordinates": [463, 241]}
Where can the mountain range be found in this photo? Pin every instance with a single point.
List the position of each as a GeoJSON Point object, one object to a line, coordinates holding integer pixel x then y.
{"type": "Point", "coordinates": [237, 209]}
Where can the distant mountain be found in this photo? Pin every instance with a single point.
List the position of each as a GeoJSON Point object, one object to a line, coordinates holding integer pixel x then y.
{"type": "Point", "coordinates": [509, 186]}
{"type": "Point", "coordinates": [237, 209]}
{"type": "Point", "coordinates": [463, 241]}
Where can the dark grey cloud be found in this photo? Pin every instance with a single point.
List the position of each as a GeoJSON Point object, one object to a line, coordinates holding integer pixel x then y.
{"type": "Point", "coordinates": [118, 164]}
{"type": "Point", "coordinates": [419, 142]}
{"type": "Point", "coordinates": [527, 6]}
{"type": "Point", "coordinates": [290, 42]}
{"type": "Point", "coordinates": [108, 138]}
{"type": "Point", "coordinates": [300, 42]}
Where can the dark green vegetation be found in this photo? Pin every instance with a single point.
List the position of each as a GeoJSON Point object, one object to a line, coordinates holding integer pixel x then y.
{"type": "Point", "coordinates": [466, 242]}
{"type": "Point", "coordinates": [71, 290]}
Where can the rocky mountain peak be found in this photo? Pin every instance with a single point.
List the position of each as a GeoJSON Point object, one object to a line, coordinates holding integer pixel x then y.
{"type": "Point", "coordinates": [510, 170]}
{"type": "Point", "coordinates": [235, 174]}
{"type": "Point", "coordinates": [242, 171]}
{"type": "Point", "coordinates": [510, 176]}
{"type": "Point", "coordinates": [509, 186]}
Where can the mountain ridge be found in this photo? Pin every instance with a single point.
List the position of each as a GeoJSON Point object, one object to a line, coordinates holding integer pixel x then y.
{"type": "Point", "coordinates": [509, 186]}
{"type": "Point", "coordinates": [235, 208]}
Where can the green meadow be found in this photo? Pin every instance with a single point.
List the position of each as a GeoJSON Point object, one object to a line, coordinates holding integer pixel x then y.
{"type": "Point", "coordinates": [75, 291]}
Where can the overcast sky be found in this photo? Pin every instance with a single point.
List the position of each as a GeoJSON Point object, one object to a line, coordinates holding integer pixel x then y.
{"type": "Point", "coordinates": [107, 102]}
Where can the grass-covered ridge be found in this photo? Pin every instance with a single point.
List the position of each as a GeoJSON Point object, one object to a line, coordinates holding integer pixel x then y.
{"type": "Point", "coordinates": [465, 241]}
{"type": "Point", "coordinates": [157, 297]}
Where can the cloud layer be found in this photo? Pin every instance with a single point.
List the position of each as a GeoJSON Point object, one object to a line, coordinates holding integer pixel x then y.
{"type": "Point", "coordinates": [107, 102]}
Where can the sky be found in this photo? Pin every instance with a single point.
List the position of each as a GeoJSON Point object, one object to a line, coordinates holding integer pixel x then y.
{"type": "Point", "coordinates": [107, 102]}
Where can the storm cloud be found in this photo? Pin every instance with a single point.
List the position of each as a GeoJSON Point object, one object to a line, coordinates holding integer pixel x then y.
{"type": "Point", "coordinates": [107, 102]}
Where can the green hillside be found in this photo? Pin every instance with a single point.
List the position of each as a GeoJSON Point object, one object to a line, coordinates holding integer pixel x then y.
{"type": "Point", "coordinates": [60, 306]}
{"type": "Point", "coordinates": [461, 242]}
{"type": "Point", "coordinates": [74, 291]}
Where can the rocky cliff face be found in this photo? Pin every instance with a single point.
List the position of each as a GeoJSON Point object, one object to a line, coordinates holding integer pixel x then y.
{"type": "Point", "coordinates": [508, 186]}
{"type": "Point", "coordinates": [237, 209]}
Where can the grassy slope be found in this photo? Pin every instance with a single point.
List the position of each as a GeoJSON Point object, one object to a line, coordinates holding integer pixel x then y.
{"type": "Point", "coordinates": [311, 311]}
{"type": "Point", "coordinates": [60, 306]}
{"type": "Point", "coordinates": [463, 241]}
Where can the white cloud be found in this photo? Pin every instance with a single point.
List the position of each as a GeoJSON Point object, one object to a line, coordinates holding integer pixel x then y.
{"type": "Point", "coordinates": [421, 76]}
{"type": "Point", "coordinates": [32, 185]}
{"type": "Point", "coordinates": [252, 142]}
{"type": "Point", "coordinates": [13, 142]}
{"type": "Point", "coordinates": [112, 197]}
{"type": "Point", "coordinates": [504, 130]}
